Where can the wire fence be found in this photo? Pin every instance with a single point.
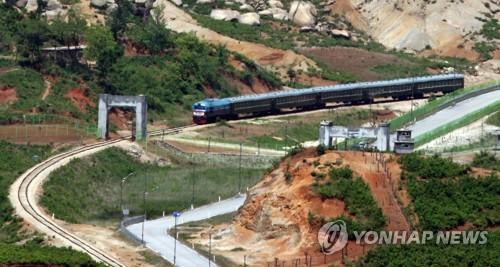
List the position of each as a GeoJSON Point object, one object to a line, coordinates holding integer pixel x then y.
{"type": "Point", "coordinates": [463, 121]}
{"type": "Point", "coordinates": [46, 133]}
{"type": "Point", "coordinates": [44, 128]}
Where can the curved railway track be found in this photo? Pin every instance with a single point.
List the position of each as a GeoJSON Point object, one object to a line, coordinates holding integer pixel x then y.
{"type": "Point", "coordinates": [26, 202]}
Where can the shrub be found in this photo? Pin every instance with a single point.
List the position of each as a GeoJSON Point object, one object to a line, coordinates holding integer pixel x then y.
{"type": "Point", "coordinates": [320, 150]}
{"type": "Point", "coordinates": [486, 160]}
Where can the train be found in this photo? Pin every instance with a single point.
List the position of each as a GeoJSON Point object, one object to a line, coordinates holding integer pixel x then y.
{"type": "Point", "coordinates": [214, 109]}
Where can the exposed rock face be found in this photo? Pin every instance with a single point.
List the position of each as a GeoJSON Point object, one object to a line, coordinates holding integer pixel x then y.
{"type": "Point", "coordinates": [275, 4]}
{"type": "Point", "coordinates": [251, 18]}
{"type": "Point", "coordinates": [246, 7]}
{"type": "Point", "coordinates": [415, 25]}
{"type": "Point", "coordinates": [177, 2]}
{"type": "Point", "coordinates": [302, 13]}
{"type": "Point", "coordinates": [52, 15]}
{"type": "Point", "coordinates": [204, 1]}
{"type": "Point", "coordinates": [224, 14]}
{"type": "Point", "coordinates": [340, 33]}
{"type": "Point", "coordinates": [21, 3]}
{"type": "Point", "coordinates": [98, 3]}
{"type": "Point", "coordinates": [415, 40]}
{"type": "Point", "coordinates": [111, 8]}
{"type": "Point", "coordinates": [31, 6]}
{"type": "Point", "coordinates": [276, 13]}
{"type": "Point", "coordinates": [53, 5]}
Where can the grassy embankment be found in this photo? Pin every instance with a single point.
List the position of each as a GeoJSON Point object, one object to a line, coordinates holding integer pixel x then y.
{"type": "Point", "coordinates": [15, 160]}
{"type": "Point", "coordinates": [88, 190]}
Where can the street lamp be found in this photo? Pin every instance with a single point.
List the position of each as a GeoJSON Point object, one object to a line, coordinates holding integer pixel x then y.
{"type": "Point", "coordinates": [144, 203]}
{"type": "Point", "coordinates": [121, 192]}
{"type": "Point", "coordinates": [175, 214]}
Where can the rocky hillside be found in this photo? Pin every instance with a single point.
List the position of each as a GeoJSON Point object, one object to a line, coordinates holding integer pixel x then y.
{"type": "Point", "coordinates": [284, 211]}
{"type": "Point", "coordinates": [449, 27]}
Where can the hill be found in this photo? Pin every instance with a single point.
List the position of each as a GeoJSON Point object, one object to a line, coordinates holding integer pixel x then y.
{"type": "Point", "coordinates": [284, 211]}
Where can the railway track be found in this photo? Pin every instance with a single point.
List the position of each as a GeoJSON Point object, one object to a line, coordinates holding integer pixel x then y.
{"type": "Point", "coordinates": [27, 187]}
{"type": "Point", "coordinates": [169, 130]}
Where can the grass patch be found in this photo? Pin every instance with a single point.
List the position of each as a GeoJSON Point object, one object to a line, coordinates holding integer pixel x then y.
{"type": "Point", "coordinates": [28, 85]}
{"type": "Point", "coordinates": [34, 255]}
{"type": "Point", "coordinates": [7, 63]}
{"type": "Point", "coordinates": [494, 119]}
{"type": "Point", "coordinates": [298, 129]}
{"type": "Point", "coordinates": [154, 259]}
{"type": "Point", "coordinates": [14, 160]}
{"type": "Point", "coordinates": [88, 190]}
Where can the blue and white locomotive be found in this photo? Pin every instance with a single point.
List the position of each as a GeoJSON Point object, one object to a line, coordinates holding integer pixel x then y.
{"type": "Point", "coordinates": [213, 109]}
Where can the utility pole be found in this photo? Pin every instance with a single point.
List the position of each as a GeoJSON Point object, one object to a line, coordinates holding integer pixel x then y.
{"type": "Point", "coordinates": [176, 214]}
{"type": "Point", "coordinates": [286, 128]}
{"type": "Point", "coordinates": [209, 248]}
{"type": "Point", "coordinates": [121, 192]}
{"type": "Point", "coordinates": [239, 182]}
{"type": "Point", "coordinates": [144, 204]}
{"type": "Point", "coordinates": [192, 198]}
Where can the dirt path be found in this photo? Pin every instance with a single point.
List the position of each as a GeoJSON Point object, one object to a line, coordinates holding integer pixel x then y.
{"type": "Point", "coordinates": [48, 86]}
{"type": "Point", "coordinates": [180, 21]}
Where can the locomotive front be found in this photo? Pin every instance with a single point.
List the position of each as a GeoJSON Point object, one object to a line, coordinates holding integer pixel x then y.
{"type": "Point", "coordinates": [199, 112]}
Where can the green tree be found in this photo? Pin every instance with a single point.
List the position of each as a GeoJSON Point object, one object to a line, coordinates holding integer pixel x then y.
{"type": "Point", "coordinates": [118, 19]}
{"type": "Point", "coordinates": [291, 74]}
{"type": "Point", "coordinates": [31, 36]}
{"type": "Point", "coordinates": [153, 35]}
{"type": "Point", "coordinates": [222, 54]}
{"type": "Point", "coordinates": [70, 32]}
{"type": "Point", "coordinates": [102, 48]}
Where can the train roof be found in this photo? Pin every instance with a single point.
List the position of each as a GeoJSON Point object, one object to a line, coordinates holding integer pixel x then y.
{"type": "Point", "coordinates": [339, 87]}
{"type": "Point", "coordinates": [213, 102]}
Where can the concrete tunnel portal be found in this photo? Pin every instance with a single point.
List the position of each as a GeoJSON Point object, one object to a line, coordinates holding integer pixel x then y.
{"type": "Point", "coordinates": [137, 102]}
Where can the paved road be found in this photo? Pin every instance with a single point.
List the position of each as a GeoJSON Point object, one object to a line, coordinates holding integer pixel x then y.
{"type": "Point", "coordinates": [453, 113]}
{"type": "Point", "coordinates": [156, 238]}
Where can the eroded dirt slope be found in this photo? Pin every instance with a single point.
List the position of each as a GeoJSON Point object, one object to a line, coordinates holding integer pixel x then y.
{"type": "Point", "coordinates": [273, 223]}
